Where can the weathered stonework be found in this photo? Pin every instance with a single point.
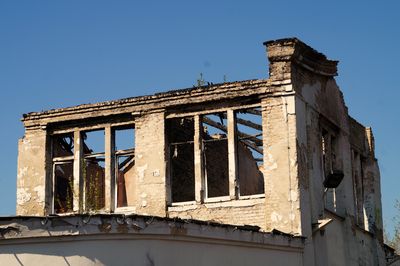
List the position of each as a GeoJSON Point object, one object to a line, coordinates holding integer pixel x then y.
{"type": "Point", "coordinates": [320, 178]}
{"type": "Point", "coordinates": [31, 179]}
{"type": "Point", "coordinates": [150, 165]}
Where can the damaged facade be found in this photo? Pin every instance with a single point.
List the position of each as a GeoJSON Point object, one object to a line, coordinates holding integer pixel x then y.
{"type": "Point", "coordinates": [280, 155]}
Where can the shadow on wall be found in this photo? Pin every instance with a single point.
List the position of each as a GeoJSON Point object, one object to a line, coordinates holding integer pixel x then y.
{"type": "Point", "coordinates": [141, 252]}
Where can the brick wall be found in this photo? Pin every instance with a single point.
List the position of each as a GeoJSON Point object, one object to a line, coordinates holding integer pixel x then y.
{"type": "Point", "coordinates": [238, 212]}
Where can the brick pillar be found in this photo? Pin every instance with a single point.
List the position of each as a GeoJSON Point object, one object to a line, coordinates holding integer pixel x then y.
{"type": "Point", "coordinates": [31, 178]}
{"type": "Point", "coordinates": [150, 165]}
{"type": "Point", "coordinates": [280, 159]}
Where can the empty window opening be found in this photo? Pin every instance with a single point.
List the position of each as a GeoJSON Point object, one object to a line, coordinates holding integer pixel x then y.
{"type": "Point", "coordinates": [325, 141]}
{"type": "Point", "coordinates": [124, 138]}
{"type": "Point", "coordinates": [328, 149]}
{"type": "Point", "coordinates": [329, 166]}
{"type": "Point", "coordinates": [358, 186]}
{"type": "Point", "coordinates": [63, 160]}
{"type": "Point", "coordinates": [94, 169]}
{"type": "Point", "coordinates": [63, 186]}
{"type": "Point", "coordinates": [249, 151]}
{"type": "Point", "coordinates": [124, 165]}
{"type": "Point", "coordinates": [180, 136]}
{"type": "Point", "coordinates": [215, 154]}
{"type": "Point", "coordinates": [63, 145]}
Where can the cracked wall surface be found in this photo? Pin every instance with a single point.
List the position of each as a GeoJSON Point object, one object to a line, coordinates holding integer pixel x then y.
{"type": "Point", "coordinates": [308, 138]}
{"type": "Point", "coordinates": [31, 175]}
{"type": "Point", "coordinates": [142, 240]}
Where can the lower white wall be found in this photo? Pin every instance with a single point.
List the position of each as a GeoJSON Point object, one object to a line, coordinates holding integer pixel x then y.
{"type": "Point", "coordinates": [147, 252]}
{"type": "Point", "coordinates": [341, 243]}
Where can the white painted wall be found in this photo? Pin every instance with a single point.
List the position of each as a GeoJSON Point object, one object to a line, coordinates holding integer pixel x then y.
{"type": "Point", "coordinates": [147, 252]}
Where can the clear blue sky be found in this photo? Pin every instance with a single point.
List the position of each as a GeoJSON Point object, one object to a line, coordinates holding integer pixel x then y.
{"type": "Point", "coordinates": [64, 53]}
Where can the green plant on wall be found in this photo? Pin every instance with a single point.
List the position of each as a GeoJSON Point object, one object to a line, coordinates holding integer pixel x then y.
{"type": "Point", "coordinates": [394, 241]}
{"type": "Point", "coordinates": [63, 199]}
{"type": "Point", "coordinates": [201, 81]}
{"type": "Point", "coordinates": [69, 198]}
{"type": "Point", "coordinates": [94, 185]}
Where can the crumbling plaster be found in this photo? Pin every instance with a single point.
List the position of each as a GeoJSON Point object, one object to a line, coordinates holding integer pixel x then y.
{"type": "Point", "coordinates": [142, 240]}
{"type": "Point", "coordinates": [297, 94]}
{"type": "Point", "coordinates": [31, 176]}
{"type": "Point", "coordinates": [150, 165]}
{"type": "Point", "coordinates": [298, 101]}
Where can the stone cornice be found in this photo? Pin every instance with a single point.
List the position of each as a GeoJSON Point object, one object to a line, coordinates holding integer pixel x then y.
{"type": "Point", "coordinates": [294, 50]}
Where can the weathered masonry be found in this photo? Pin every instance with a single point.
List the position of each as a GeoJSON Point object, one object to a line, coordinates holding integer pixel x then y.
{"type": "Point", "coordinates": [280, 154]}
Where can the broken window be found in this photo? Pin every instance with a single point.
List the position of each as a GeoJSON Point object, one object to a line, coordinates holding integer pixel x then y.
{"type": "Point", "coordinates": [328, 145]}
{"type": "Point", "coordinates": [94, 169]}
{"type": "Point", "coordinates": [216, 151]}
{"type": "Point", "coordinates": [63, 160]}
{"type": "Point", "coordinates": [180, 137]}
{"type": "Point", "coordinates": [124, 139]}
{"type": "Point", "coordinates": [331, 168]}
{"type": "Point", "coordinates": [249, 151]}
{"type": "Point", "coordinates": [215, 154]}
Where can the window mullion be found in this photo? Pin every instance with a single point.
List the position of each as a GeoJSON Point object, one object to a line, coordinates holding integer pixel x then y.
{"type": "Point", "coordinates": [198, 161]}
{"type": "Point", "coordinates": [53, 191]}
{"type": "Point", "coordinates": [78, 202]}
{"type": "Point", "coordinates": [109, 169]}
{"type": "Point", "coordinates": [232, 158]}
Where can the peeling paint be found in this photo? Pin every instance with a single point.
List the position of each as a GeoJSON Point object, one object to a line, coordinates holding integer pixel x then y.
{"type": "Point", "coordinates": [23, 196]}
{"type": "Point", "coordinates": [141, 172]}
{"type": "Point", "coordinates": [271, 164]}
{"type": "Point", "coordinates": [40, 191]}
{"type": "Point", "coordinates": [276, 217]}
{"type": "Point", "coordinates": [293, 195]}
{"type": "Point", "coordinates": [301, 85]}
{"type": "Point", "coordinates": [22, 172]}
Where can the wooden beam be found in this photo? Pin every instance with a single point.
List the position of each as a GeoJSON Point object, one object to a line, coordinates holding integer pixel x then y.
{"type": "Point", "coordinates": [246, 122]}
{"type": "Point", "coordinates": [242, 135]}
{"type": "Point", "coordinates": [249, 123]}
{"type": "Point", "coordinates": [252, 146]}
{"type": "Point", "coordinates": [253, 111]}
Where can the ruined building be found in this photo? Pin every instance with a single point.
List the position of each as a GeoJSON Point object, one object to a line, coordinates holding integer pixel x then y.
{"type": "Point", "coordinates": [255, 172]}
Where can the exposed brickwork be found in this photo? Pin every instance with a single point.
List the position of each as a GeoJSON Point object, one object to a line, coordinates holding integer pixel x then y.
{"type": "Point", "coordinates": [150, 165]}
{"type": "Point", "coordinates": [301, 105]}
{"type": "Point", "coordinates": [251, 214]}
{"type": "Point", "coordinates": [31, 181]}
{"type": "Point", "coordinates": [281, 186]}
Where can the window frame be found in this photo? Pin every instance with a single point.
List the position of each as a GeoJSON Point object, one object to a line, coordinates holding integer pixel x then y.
{"type": "Point", "coordinates": [114, 161]}
{"type": "Point", "coordinates": [59, 161]}
{"type": "Point", "coordinates": [200, 178]}
{"type": "Point", "coordinates": [78, 162]}
{"type": "Point", "coordinates": [83, 166]}
{"type": "Point", "coordinates": [330, 197]}
{"type": "Point", "coordinates": [206, 197]}
{"type": "Point", "coordinates": [251, 196]}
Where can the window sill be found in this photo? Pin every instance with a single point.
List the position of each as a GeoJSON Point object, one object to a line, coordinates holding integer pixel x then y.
{"type": "Point", "coordinates": [217, 199]}
{"type": "Point", "coordinates": [125, 210]}
{"type": "Point", "coordinates": [183, 203]}
{"type": "Point", "coordinates": [64, 214]}
{"type": "Point", "coordinates": [256, 196]}
{"type": "Point", "coordinates": [242, 202]}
